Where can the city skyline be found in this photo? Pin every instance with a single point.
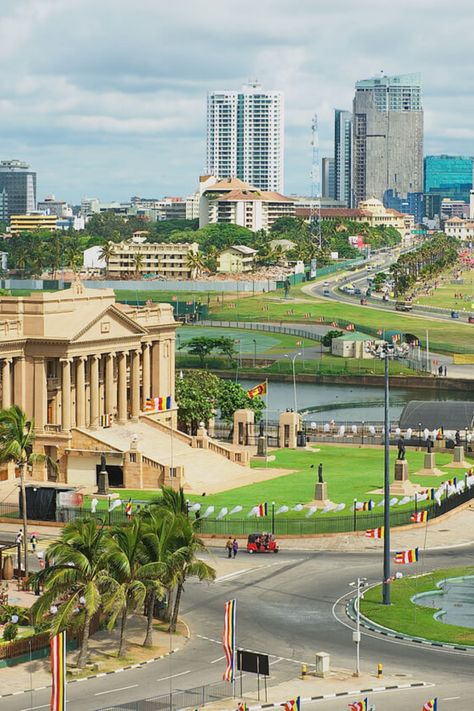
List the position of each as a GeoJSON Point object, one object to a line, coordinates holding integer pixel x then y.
{"type": "Point", "coordinates": [92, 116]}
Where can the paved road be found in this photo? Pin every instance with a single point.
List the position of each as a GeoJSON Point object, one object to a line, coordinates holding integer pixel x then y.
{"type": "Point", "coordinates": [289, 608]}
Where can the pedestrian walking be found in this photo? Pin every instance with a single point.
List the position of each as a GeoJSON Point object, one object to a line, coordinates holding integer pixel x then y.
{"type": "Point", "coordinates": [445, 371]}
{"type": "Point", "coordinates": [229, 547]}
{"type": "Point", "coordinates": [19, 537]}
{"type": "Point", "coordinates": [34, 542]}
{"type": "Point", "coordinates": [235, 547]}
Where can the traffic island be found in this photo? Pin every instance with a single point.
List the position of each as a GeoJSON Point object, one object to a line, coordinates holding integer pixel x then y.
{"type": "Point", "coordinates": [411, 620]}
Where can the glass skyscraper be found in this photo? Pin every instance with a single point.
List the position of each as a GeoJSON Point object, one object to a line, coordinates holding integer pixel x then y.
{"type": "Point", "coordinates": [343, 156]}
{"type": "Point", "coordinates": [17, 189]}
{"type": "Point", "coordinates": [449, 176]}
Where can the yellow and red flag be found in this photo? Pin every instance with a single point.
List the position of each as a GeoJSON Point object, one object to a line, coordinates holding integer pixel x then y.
{"type": "Point", "coordinates": [404, 557]}
{"type": "Point", "coordinates": [257, 390]}
{"type": "Point", "coordinates": [375, 532]}
{"type": "Point", "coordinates": [419, 517]}
{"type": "Point", "coordinates": [58, 672]}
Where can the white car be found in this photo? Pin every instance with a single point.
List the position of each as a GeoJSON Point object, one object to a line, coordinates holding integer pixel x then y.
{"type": "Point", "coordinates": [325, 283]}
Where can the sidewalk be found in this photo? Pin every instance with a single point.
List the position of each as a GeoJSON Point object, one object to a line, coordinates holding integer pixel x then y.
{"type": "Point", "coordinates": [339, 682]}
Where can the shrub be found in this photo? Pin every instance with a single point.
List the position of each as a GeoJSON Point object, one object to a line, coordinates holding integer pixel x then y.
{"type": "Point", "coordinates": [7, 612]}
{"type": "Point", "coordinates": [10, 632]}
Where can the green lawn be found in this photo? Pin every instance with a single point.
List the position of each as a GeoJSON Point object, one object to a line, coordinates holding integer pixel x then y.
{"type": "Point", "coordinates": [405, 616]}
{"type": "Point", "coordinates": [212, 297]}
{"type": "Point", "coordinates": [444, 295]}
{"type": "Point", "coordinates": [351, 472]}
{"type": "Point", "coordinates": [444, 336]}
{"type": "Point", "coordinates": [266, 343]}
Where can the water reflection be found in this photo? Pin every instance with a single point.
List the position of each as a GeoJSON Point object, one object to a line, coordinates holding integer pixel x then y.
{"type": "Point", "coordinates": [455, 600]}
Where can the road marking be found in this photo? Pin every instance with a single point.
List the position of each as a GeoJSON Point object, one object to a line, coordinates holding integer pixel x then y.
{"type": "Point", "coordinates": [173, 676]}
{"type": "Point", "coordinates": [282, 561]}
{"type": "Point", "coordinates": [218, 660]}
{"type": "Point", "coordinates": [450, 698]}
{"type": "Point", "coordinates": [232, 575]}
{"type": "Point", "coordinates": [112, 691]}
{"type": "Point", "coordinates": [46, 706]}
{"type": "Point", "coordinates": [284, 659]}
{"type": "Point", "coordinates": [280, 659]}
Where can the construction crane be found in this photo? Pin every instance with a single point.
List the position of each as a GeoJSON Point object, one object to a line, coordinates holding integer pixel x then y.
{"type": "Point", "coordinates": [315, 209]}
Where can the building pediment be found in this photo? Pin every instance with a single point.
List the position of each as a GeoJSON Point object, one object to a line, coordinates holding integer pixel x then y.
{"type": "Point", "coordinates": [110, 324]}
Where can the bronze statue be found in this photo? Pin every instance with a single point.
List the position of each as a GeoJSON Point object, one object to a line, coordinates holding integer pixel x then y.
{"type": "Point", "coordinates": [429, 445]}
{"type": "Point", "coordinates": [401, 448]}
{"type": "Point", "coordinates": [320, 474]}
{"type": "Point", "coordinates": [457, 438]}
{"type": "Point", "coordinates": [103, 462]}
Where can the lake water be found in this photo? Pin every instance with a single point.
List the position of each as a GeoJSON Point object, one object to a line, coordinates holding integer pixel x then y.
{"type": "Point", "coordinates": [345, 402]}
{"type": "Point", "coordinates": [455, 598]}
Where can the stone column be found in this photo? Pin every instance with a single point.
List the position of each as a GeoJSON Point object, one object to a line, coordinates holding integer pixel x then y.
{"type": "Point", "coordinates": [135, 384]}
{"type": "Point", "coordinates": [109, 384]}
{"type": "Point", "coordinates": [19, 382]}
{"type": "Point", "coordinates": [6, 382]}
{"type": "Point", "coordinates": [94, 388]}
{"type": "Point", "coordinates": [40, 393]}
{"type": "Point", "coordinates": [65, 394]}
{"type": "Point", "coordinates": [80, 392]}
{"type": "Point", "coordinates": [122, 387]}
{"type": "Point", "coordinates": [146, 373]}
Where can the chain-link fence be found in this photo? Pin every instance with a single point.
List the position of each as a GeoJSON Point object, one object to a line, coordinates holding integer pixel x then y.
{"type": "Point", "coordinates": [179, 699]}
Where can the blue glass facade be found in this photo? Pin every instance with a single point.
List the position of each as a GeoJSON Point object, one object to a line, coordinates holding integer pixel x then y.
{"type": "Point", "coordinates": [449, 176]}
{"type": "Point", "coordinates": [412, 204]}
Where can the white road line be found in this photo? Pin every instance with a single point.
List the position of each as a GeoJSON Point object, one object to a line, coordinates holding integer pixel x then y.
{"type": "Point", "coordinates": [112, 691]}
{"type": "Point", "coordinates": [450, 698]}
{"type": "Point", "coordinates": [284, 659]}
{"type": "Point", "coordinates": [32, 708]}
{"type": "Point", "coordinates": [232, 575]}
{"type": "Point", "coordinates": [173, 676]}
{"type": "Point", "coordinates": [276, 661]}
{"type": "Point", "coordinates": [218, 660]}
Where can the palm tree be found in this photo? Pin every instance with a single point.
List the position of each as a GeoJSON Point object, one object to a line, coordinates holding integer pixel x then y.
{"type": "Point", "coordinates": [107, 251]}
{"type": "Point", "coordinates": [77, 579]}
{"type": "Point", "coordinates": [195, 263]}
{"type": "Point", "coordinates": [17, 437]}
{"type": "Point", "coordinates": [172, 500]}
{"type": "Point", "coordinates": [189, 565]}
{"type": "Point", "coordinates": [137, 259]}
{"type": "Point", "coordinates": [133, 577]}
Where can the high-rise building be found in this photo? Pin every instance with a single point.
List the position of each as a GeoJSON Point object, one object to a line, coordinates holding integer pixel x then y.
{"type": "Point", "coordinates": [17, 189]}
{"type": "Point", "coordinates": [343, 156]}
{"type": "Point", "coordinates": [449, 176]}
{"type": "Point", "coordinates": [327, 178]}
{"type": "Point", "coordinates": [245, 136]}
{"type": "Point", "coordinates": [388, 137]}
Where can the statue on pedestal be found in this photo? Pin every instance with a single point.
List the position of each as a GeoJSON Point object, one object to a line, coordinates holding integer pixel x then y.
{"type": "Point", "coordinates": [429, 445]}
{"type": "Point", "coordinates": [320, 474]}
{"type": "Point", "coordinates": [457, 438]}
{"type": "Point", "coordinates": [103, 478]}
{"type": "Point", "coordinates": [401, 448]}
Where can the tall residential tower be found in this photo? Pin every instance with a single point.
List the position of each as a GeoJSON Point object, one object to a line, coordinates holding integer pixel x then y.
{"type": "Point", "coordinates": [388, 137]}
{"type": "Point", "coordinates": [245, 136]}
{"type": "Point", "coordinates": [343, 156]}
{"type": "Point", "coordinates": [17, 189]}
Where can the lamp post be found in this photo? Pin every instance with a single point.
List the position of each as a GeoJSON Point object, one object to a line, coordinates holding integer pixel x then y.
{"type": "Point", "coordinates": [360, 584]}
{"type": "Point", "coordinates": [273, 518]}
{"type": "Point", "coordinates": [254, 352]}
{"type": "Point", "coordinates": [293, 358]}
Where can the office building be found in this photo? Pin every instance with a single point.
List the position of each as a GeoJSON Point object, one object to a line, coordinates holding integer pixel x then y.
{"type": "Point", "coordinates": [51, 206]}
{"type": "Point", "coordinates": [411, 204]}
{"type": "Point", "coordinates": [448, 176]}
{"type": "Point", "coordinates": [231, 201]}
{"type": "Point", "coordinates": [245, 136]}
{"type": "Point", "coordinates": [327, 178]}
{"type": "Point", "coordinates": [17, 189]}
{"type": "Point", "coordinates": [387, 137]}
{"type": "Point", "coordinates": [32, 222]}
{"type": "Point", "coordinates": [343, 156]}
{"type": "Point", "coordinates": [169, 259]}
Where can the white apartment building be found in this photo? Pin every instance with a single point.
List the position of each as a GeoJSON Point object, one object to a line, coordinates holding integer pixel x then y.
{"type": "Point", "coordinates": [161, 259]}
{"type": "Point", "coordinates": [459, 228]}
{"type": "Point", "coordinates": [245, 136]}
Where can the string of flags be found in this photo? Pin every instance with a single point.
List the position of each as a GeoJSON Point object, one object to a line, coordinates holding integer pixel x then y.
{"type": "Point", "coordinates": [157, 404]}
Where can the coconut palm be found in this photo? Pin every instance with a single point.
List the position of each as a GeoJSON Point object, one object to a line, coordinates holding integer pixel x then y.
{"type": "Point", "coordinates": [172, 500]}
{"type": "Point", "coordinates": [195, 263]}
{"type": "Point", "coordinates": [137, 260]}
{"type": "Point", "coordinates": [17, 437]}
{"type": "Point", "coordinates": [189, 545]}
{"type": "Point", "coordinates": [76, 581]}
{"type": "Point", "coordinates": [106, 252]}
{"type": "Point", "coordinates": [132, 577]}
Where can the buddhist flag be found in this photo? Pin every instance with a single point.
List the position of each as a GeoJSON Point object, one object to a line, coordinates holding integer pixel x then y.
{"type": "Point", "coordinates": [404, 557]}
{"type": "Point", "coordinates": [419, 517]}
{"type": "Point", "coordinates": [375, 532]}
{"type": "Point", "coordinates": [257, 390]}
{"type": "Point", "coordinates": [58, 672]}
{"type": "Point", "coordinates": [262, 510]}
{"type": "Point", "coordinates": [367, 505]}
{"type": "Point", "coordinates": [292, 705]}
{"type": "Point", "coordinates": [431, 705]}
{"type": "Point", "coordinates": [230, 609]}
{"type": "Point", "coordinates": [360, 705]}
{"type": "Point", "coordinates": [128, 508]}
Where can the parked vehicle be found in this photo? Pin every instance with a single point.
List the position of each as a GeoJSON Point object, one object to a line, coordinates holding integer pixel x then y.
{"type": "Point", "coordinates": [403, 306]}
{"type": "Point", "coordinates": [262, 543]}
{"type": "Point", "coordinates": [471, 319]}
{"type": "Point", "coordinates": [326, 292]}
{"type": "Point", "coordinates": [357, 292]}
{"type": "Point", "coordinates": [454, 314]}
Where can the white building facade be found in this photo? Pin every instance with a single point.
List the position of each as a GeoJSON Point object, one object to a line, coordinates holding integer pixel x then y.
{"type": "Point", "coordinates": [245, 136]}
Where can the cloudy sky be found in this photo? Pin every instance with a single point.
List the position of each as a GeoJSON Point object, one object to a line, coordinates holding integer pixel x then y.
{"type": "Point", "coordinates": [107, 98]}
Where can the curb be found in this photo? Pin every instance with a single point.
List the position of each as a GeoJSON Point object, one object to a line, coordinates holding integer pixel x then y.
{"type": "Point", "coordinates": [387, 632]}
{"type": "Point", "coordinates": [337, 694]}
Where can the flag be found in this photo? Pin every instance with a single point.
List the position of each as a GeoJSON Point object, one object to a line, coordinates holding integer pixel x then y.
{"type": "Point", "coordinates": [58, 672]}
{"type": "Point", "coordinates": [106, 420]}
{"type": "Point", "coordinates": [379, 332]}
{"type": "Point", "coordinates": [359, 705]}
{"type": "Point", "coordinates": [128, 508]}
{"type": "Point", "coordinates": [419, 517]}
{"type": "Point", "coordinates": [367, 505]}
{"type": "Point", "coordinates": [350, 327]}
{"type": "Point", "coordinates": [375, 532]}
{"type": "Point", "coordinates": [230, 608]}
{"type": "Point", "coordinates": [299, 343]}
{"type": "Point", "coordinates": [431, 705]}
{"type": "Point", "coordinates": [292, 705]}
{"type": "Point", "coordinates": [257, 390]}
{"type": "Point", "coordinates": [262, 510]}
{"type": "Point", "coordinates": [409, 556]}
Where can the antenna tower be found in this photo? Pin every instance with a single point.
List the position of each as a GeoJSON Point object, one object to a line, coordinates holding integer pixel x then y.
{"type": "Point", "coordinates": [315, 210]}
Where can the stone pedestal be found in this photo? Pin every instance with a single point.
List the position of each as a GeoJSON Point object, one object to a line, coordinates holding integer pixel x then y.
{"type": "Point", "coordinates": [262, 447]}
{"type": "Point", "coordinates": [321, 499]}
{"type": "Point", "coordinates": [401, 485]}
{"type": "Point", "coordinates": [458, 460]}
{"type": "Point", "coordinates": [103, 483]}
{"type": "Point", "coordinates": [323, 664]}
{"type": "Point", "coordinates": [429, 467]}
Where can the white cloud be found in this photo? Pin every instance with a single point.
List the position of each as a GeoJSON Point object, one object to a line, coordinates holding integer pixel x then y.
{"type": "Point", "coordinates": [109, 97]}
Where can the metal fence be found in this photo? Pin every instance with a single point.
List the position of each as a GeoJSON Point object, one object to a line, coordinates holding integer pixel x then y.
{"type": "Point", "coordinates": [179, 699]}
{"type": "Point", "coordinates": [267, 327]}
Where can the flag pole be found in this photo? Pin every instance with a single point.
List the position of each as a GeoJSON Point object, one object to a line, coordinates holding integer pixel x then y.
{"type": "Point", "coordinates": [266, 421]}
{"type": "Point", "coordinates": [234, 648]}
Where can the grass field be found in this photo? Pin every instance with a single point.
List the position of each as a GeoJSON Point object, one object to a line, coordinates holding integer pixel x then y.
{"type": "Point", "coordinates": [444, 295]}
{"type": "Point", "coordinates": [214, 298]}
{"type": "Point", "coordinates": [350, 472]}
{"type": "Point", "coordinates": [405, 616]}
{"type": "Point", "coordinates": [266, 343]}
{"type": "Point", "coordinates": [444, 336]}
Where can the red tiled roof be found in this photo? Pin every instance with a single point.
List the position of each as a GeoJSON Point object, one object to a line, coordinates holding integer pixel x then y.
{"type": "Point", "coordinates": [328, 212]}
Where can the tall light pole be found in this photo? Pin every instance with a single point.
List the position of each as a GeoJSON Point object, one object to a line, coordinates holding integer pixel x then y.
{"type": "Point", "coordinates": [254, 352]}
{"type": "Point", "coordinates": [360, 584]}
{"type": "Point", "coordinates": [293, 358]}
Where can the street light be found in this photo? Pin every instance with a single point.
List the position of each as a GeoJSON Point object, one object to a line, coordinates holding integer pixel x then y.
{"type": "Point", "coordinates": [360, 583]}
{"type": "Point", "coordinates": [387, 351]}
{"type": "Point", "coordinates": [293, 358]}
{"type": "Point", "coordinates": [254, 352]}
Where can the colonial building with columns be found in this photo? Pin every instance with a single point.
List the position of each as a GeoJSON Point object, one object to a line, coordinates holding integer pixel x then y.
{"type": "Point", "coordinates": [77, 363]}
